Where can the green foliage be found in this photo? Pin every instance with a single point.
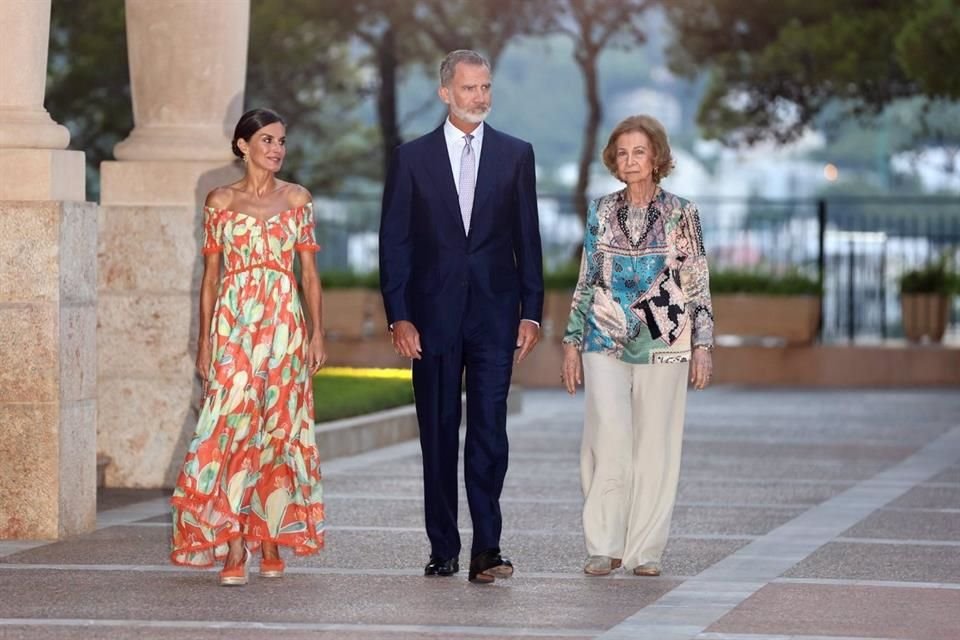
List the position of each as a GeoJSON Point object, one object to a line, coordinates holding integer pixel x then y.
{"type": "Point", "coordinates": [397, 36]}
{"type": "Point", "coordinates": [320, 64]}
{"type": "Point", "coordinates": [786, 284]}
{"type": "Point", "coordinates": [927, 43]}
{"type": "Point", "coordinates": [775, 66]}
{"type": "Point", "coordinates": [487, 26]}
{"type": "Point", "coordinates": [936, 277]}
{"type": "Point", "coordinates": [344, 396]}
{"type": "Point", "coordinates": [301, 64]}
{"type": "Point", "coordinates": [563, 278]}
{"type": "Point", "coordinates": [88, 83]}
{"type": "Point", "coordinates": [350, 280]}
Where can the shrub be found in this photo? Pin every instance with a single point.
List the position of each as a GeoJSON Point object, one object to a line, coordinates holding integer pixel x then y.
{"type": "Point", "coordinates": [787, 284]}
{"type": "Point", "coordinates": [933, 278]}
{"type": "Point", "coordinates": [349, 279]}
{"type": "Point", "coordinates": [564, 278]}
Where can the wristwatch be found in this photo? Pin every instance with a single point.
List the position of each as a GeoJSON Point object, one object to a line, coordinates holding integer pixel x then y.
{"type": "Point", "coordinates": [706, 347]}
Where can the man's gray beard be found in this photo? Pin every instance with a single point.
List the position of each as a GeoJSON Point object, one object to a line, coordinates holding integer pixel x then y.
{"type": "Point", "coordinates": [472, 118]}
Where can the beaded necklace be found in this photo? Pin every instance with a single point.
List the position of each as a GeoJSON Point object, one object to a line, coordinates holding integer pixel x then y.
{"type": "Point", "coordinates": [650, 217]}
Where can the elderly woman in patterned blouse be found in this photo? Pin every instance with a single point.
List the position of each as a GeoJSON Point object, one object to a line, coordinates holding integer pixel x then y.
{"type": "Point", "coordinates": [640, 324]}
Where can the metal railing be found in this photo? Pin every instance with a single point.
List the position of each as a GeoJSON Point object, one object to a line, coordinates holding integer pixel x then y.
{"type": "Point", "coordinates": [857, 247]}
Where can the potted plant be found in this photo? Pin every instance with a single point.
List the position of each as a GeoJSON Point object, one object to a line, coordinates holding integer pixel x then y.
{"type": "Point", "coordinates": [785, 306]}
{"type": "Point", "coordinates": [925, 301]}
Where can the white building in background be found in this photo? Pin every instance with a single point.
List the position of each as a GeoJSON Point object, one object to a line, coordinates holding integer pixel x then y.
{"type": "Point", "coordinates": [363, 251]}
{"type": "Point", "coordinates": [937, 168]}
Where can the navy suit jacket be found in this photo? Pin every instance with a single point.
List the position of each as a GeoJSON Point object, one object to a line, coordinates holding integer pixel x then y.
{"type": "Point", "coordinates": [430, 268]}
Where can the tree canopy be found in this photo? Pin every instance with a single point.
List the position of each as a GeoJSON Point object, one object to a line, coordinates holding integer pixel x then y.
{"type": "Point", "coordinates": [318, 62]}
{"type": "Point", "coordinates": [88, 84]}
{"type": "Point", "coordinates": [774, 66]}
{"type": "Point", "coordinates": [354, 79]}
{"type": "Point", "coordinates": [300, 63]}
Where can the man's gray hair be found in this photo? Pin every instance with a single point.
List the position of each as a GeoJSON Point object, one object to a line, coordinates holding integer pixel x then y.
{"type": "Point", "coordinates": [450, 62]}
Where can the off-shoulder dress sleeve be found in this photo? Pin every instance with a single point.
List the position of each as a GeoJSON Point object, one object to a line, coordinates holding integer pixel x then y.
{"type": "Point", "coordinates": [212, 231]}
{"type": "Point", "coordinates": [306, 239]}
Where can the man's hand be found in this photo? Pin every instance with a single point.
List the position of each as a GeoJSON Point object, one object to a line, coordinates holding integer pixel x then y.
{"type": "Point", "coordinates": [406, 339]}
{"type": "Point", "coordinates": [528, 335]}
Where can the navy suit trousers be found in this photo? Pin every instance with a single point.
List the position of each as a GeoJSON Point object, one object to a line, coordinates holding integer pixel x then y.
{"type": "Point", "coordinates": [437, 380]}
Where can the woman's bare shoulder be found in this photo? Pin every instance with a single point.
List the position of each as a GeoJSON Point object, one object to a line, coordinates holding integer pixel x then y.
{"type": "Point", "coordinates": [297, 195]}
{"type": "Point", "coordinates": [219, 198]}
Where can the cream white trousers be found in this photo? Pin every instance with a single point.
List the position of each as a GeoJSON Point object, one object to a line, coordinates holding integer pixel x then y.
{"type": "Point", "coordinates": [630, 455]}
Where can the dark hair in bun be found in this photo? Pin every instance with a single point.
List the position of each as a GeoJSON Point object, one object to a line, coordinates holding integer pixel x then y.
{"type": "Point", "coordinates": [251, 122]}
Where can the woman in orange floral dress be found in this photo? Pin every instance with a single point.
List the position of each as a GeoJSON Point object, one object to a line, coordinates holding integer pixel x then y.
{"type": "Point", "coordinates": [251, 477]}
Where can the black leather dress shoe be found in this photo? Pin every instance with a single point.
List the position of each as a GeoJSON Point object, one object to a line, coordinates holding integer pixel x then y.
{"type": "Point", "coordinates": [487, 566]}
{"type": "Point", "coordinates": [441, 567]}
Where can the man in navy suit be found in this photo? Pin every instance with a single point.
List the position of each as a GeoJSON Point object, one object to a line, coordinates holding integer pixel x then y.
{"type": "Point", "coordinates": [462, 283]}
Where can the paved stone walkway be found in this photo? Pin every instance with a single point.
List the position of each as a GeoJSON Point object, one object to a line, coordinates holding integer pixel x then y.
{"type": "Point", "coordinates": [802, 515]}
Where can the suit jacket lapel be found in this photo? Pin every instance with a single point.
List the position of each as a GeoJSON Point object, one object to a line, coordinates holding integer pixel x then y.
{"type": "Point", "coordinates": [486, 173]}
{"type": "Point", "coordinates": [439, 167]}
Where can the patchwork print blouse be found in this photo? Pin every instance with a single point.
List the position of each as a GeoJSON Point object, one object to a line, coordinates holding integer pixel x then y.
{"type": "Point", "coordinates": [643, 295]}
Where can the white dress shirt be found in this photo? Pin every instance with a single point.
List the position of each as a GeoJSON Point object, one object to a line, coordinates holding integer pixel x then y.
{"type": "Point", "coordinates": [455, 142]}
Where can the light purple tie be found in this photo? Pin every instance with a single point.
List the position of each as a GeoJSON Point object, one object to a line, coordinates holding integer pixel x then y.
{"type": "Point", "coordinates": [468, 181]}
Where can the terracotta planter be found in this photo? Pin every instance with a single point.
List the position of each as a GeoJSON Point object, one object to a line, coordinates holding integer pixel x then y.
{"type": "Point", "coordinates": [376, 316]}
{"type": "Point", "coordinates": [925, 315]}
{"type": "Point", "coordinates": [348, 313]}
{"type": "Point", "coordinates": [556, 312]}
{"type": "Point", "coordinates": [790, 318]}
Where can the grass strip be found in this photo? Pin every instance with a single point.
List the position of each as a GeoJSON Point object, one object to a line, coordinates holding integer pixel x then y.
{"type": "Point", "coordinates": [344, 392]}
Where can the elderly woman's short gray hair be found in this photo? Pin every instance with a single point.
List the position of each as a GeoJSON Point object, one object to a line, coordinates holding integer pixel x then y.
{"type": "Point", "coordinates": [662, 157]}
{"type": "Point", "coordinates": [452, 59]}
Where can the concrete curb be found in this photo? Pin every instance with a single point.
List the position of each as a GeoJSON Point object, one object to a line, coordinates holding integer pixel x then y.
{"type": "Point", "coordinates": [351, 436]}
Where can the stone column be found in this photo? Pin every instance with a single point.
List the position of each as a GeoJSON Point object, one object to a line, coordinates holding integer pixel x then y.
{"type": "Point", "coordinates": [33, 165]}
{"type": "Point", "coordinates": [188, 63]}
{"type": "Point", "coordinates": [47, 300]}
{"type": "Point", "coordinates": [187, 70]}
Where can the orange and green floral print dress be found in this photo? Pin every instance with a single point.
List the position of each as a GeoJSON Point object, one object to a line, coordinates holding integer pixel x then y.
{"type": "Point", "coordinates": [252, 468]}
